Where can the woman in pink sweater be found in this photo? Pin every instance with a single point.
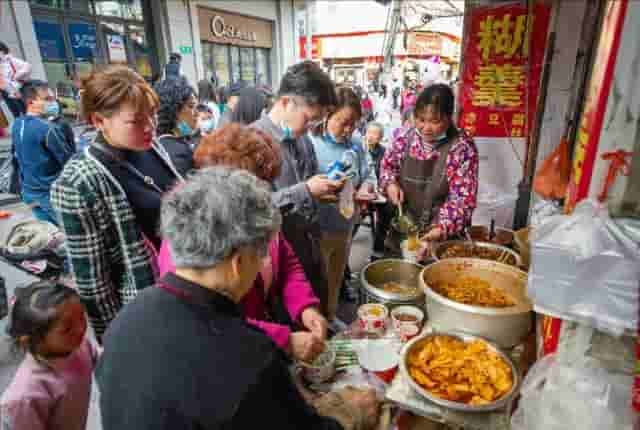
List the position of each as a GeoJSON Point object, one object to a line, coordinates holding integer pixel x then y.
{"type": "Point", "coordinates": [282, 277]}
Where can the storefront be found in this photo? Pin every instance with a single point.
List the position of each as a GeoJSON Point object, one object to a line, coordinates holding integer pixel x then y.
{"type": "Point", "coordinates": [235, 47]}
{"type": "Point", "coordinates": [75, 36]}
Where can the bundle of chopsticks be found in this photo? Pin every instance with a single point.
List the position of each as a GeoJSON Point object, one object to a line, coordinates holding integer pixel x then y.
{"type": "Point", "coordinates": [504, 257]}
{"type": "Point", "coordinates": [345, 353]}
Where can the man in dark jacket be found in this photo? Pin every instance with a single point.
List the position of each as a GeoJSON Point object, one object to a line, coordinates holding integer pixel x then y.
{"type": "Point", "coordinates": [305, 95]}
{"type": "Point", "coordinates": [40, 147]}
{"type": "Point", "coordinates": [204, 367]}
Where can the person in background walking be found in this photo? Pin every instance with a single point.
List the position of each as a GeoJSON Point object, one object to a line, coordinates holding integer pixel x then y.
{"type": "Point", "coordinates": [52, 387]}
{"type": "Point", "coordinates": [40, 148]}
{"type": "Point", "coordinates": [177, 121]}
{"type": "Point", "coordinates": [172, 68]}
{"type": "Point", "coordinates": [13, 71]}
{"type": "Point", "coordinates": [305, 95]}
{"type": "Point", "coordinates": [207, 95]}
{"type": "Point", "coordinates": [108, 197]}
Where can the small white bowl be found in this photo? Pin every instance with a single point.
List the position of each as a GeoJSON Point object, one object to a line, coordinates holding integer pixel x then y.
{"type": "Point", "coordinates": [372, 318]}
{"type": "Point", "coordinates": [411, 311]}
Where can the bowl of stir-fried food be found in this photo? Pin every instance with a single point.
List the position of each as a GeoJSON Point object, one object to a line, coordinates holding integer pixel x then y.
{"type": "Point", "coordinates": [480, 297]}
{"type": "Point", "coordinates": [459, 371]}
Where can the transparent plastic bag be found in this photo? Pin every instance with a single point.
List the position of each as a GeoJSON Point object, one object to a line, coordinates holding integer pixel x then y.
{"type": "Point", "coordinates": [584, 268]}
{"type": "Point", "coordinates": [581, 396]}
{"type": "Point", "coordinates": [346, 202]}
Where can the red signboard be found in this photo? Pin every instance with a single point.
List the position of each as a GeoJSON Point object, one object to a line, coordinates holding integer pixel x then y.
{"type": "Point", "coordinates": [596, 102]}
{"type": "Point", "coordinates": [316, 47]}
{"type": "Point", "coordinates": [500, 68]}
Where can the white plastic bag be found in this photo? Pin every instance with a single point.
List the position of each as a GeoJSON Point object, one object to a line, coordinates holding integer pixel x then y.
{"type": "Point", "coordinates": [585, 268]}
{"type": "Point", "coordinates": [557, 396]}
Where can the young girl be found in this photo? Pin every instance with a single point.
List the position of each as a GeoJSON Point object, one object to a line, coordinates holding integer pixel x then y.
{"type": "Point", "coordinates": [52, 387]}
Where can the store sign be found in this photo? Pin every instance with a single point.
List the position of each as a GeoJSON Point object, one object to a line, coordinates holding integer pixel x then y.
{"type": "Point", "coordinates": [220, 29]}
{"type": "Point", "coordinates": [316, 47]}
{"type": "Point", "coordinates": [117, 52]}
{"type": "Point", "coordinates": [496, 84]}
{"type": "Point", "coordinates": [83, 40]}
{"type": "Point", "coordinates": [223, 27]}
{"type": "Point", "coordinates": [186, 50]}
{"type": "Point", "coordinates": [424, 44]}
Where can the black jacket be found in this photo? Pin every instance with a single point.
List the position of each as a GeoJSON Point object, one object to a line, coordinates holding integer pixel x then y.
{"type": "Point", "coordinates": [181, 356]}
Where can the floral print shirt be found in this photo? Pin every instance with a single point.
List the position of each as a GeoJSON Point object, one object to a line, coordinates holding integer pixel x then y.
{"type": "Point", "coordinates": [462, 173]}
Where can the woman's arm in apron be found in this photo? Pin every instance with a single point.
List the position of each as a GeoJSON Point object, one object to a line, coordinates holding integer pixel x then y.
{"type": "Point", "coordinates": [462, 173]}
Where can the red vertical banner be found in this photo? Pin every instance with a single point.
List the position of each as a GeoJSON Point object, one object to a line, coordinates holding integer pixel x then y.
{"type": "Point", "coordinates": [500, 67]}
{"type": "Point", "coordinates": [596, 102]}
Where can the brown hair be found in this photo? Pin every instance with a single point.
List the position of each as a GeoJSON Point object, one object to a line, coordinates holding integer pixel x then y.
{"type": "Point", "coordinates": [107, 90]}
{"type": "Point", "coordinates": [242, 147]}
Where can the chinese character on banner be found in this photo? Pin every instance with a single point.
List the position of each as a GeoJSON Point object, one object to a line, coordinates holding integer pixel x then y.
{"type": "Point", "coordinates": [501, 73]}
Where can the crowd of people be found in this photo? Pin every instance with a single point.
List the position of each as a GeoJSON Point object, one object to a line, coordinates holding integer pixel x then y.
{"type": "Point", "coordinates": [208, 243]}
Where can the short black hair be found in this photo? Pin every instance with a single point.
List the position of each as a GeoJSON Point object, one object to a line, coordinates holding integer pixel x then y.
{"type": "Point", "coordinates": [251, 103]}
{"type": "Point", "coordinates": [4, 48]}
{"type": "Point", "coordinates": [35, 311]}
{"type": "Point", "coordinates": [440, 97]}
{"type": "Point", "coordinates": [31, 88]}
{"type": "Point", "coordinates": [174, 57]}
{"type": "Point", "coordinates": [202, 107]}
{"type": "Point", "coordinates": [307, 80]}
{"type": "Point", "coordinates": [173, 94]}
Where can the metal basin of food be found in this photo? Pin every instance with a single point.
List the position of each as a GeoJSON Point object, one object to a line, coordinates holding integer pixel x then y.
{"type": "Point", "coordinates": [506, 326]}
{"type": "Point", "coordinates": [375, 277]}
{"type": "Point", "coordinates": [513, 257]}
{"type": "Point", "coordinates": [497, 404]}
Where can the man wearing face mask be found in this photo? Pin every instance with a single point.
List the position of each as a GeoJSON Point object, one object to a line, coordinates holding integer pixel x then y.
{"type": "Point", "coordinates": [305, 95]}
{"type": "Point", "coordinates": [40, 148]}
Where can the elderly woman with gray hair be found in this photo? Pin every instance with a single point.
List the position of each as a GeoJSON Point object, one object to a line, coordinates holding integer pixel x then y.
{"type": "Point", "coordinates": [195, 362]}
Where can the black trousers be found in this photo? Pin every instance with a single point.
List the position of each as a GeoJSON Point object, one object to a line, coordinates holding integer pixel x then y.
{"type": "Point", "coordinates": [16, 106]}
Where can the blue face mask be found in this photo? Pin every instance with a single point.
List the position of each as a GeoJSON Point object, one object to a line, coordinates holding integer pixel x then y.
{"type": "Point", "coordinates": [184, 129]}
{"type": "Point", "coordinates": [287, 131]}
{"type": "Point", "coordinates": [51, 109]}
{"type": "Point", "coordinates": [207, 125]}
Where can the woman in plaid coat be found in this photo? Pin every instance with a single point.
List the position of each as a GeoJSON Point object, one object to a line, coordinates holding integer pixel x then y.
{"type": "Point", "coordinates": [108, 197]}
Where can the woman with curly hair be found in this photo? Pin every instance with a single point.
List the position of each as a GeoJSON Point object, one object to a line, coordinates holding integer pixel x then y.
{"type": "Point", "coordinates": [177, 119]}
{"type": "Point", "coordinates": [282, 279]}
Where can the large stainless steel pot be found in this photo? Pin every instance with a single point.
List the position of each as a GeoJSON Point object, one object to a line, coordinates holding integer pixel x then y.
{"type": "Point", "coordinates": [505, 326]}
{"type": "Point", "coordinates": [376, 274]}
{"type": "Point", "coordinates": [497, 404]}
{"type": "Point", "coordinates": [441, 247]}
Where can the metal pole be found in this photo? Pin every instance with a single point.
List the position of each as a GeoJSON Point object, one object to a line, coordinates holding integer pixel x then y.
{"type": "Point", "coordinates": [309, 29]}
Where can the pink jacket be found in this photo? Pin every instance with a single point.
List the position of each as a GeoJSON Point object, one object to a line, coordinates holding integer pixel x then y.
{"type": "Point", "coordinates": [288, 282]}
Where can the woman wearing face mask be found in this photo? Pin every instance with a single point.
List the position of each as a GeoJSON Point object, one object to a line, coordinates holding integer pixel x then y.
{"type": "Point", "coordinates": [207, 96]}
{"type": "Point", "coordinates": [177, 121]}
{"type": "Point", "coordinates": [432, 169]}
{"type": "Point", "coordinates": [107, 198]}
{"type": "Point", "coordinates": [333, 143]}
{"type": "Point", "coordinates": [205, 121]}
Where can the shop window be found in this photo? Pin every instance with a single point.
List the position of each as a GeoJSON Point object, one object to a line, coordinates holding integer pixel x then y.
{"type": "Point", "coordinates": [141, 53]}
{"type": "Point", "coordinates": [220, 59]}
{"type": "Point", "coordinates": [262, 67]}
{"type": "Point", "coordinates": [109, 8]}
{"type": "Point", "coordinates": [85, 6]}
{"type": "Point", "coordinates": [248, 64]}
{"type": "Point", "coordinates": [235, 64]}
